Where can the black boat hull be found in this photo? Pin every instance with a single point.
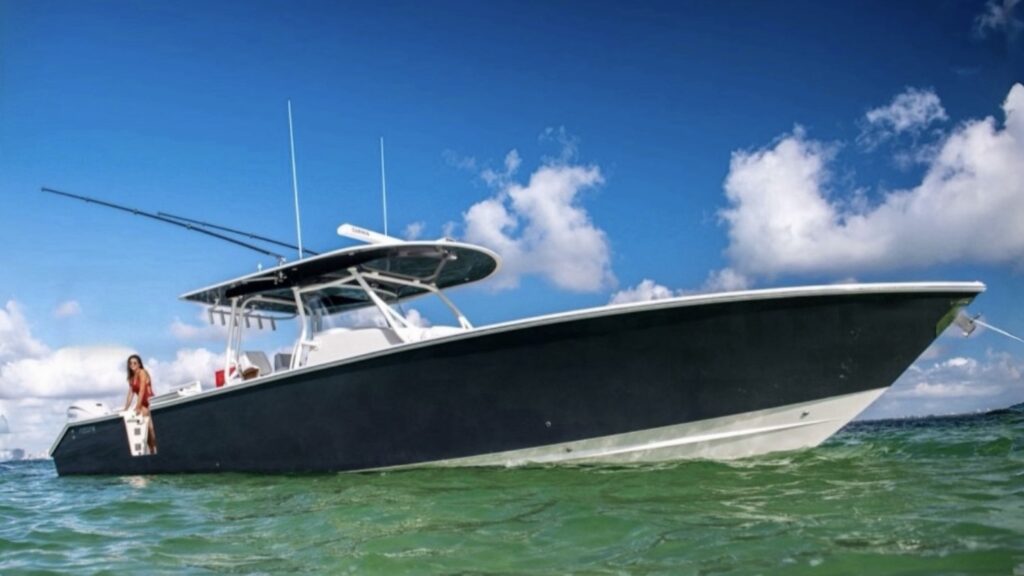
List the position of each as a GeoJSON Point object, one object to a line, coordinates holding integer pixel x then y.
{"type": "Point", "coordinates": [537, 384]}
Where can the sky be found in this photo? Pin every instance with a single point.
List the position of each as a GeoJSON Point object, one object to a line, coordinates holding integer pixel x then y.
{"type": "Point", "coordinates": [608, 151]}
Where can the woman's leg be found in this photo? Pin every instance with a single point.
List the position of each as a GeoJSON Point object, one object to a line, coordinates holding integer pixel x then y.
{"type": "Point", "coordinates": [151, 439]}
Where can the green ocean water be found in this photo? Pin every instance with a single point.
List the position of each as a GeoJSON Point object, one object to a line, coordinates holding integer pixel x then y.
{"type": "Point", "coordinates": [930, 496]}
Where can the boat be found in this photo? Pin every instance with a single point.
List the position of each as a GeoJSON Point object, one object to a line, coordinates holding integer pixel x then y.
{"type": "Point", "coordinates": [709, 376]}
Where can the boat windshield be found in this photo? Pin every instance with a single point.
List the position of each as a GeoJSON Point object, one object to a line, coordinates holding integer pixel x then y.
{"type": "Point", "coordinates": [325, 316]}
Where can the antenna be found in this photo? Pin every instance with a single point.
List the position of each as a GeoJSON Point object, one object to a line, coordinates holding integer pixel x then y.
{"type": "Point", "coordinates": [383, 186]}
{"type": "Point", "coordinates": [185, 225]}
{"type": "Point", "coordinates": [295, 180]}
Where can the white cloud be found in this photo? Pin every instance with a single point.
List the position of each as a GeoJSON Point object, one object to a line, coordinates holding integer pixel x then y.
{"type": "Point", "coordinates": [917, 154]}
{"type": "Point", "coordinates": [567, 143]}
{"type": "Point", "coordinates": [414, 318]}
{"type": "Point", "coordinates": [72, 372]}
{"type": "Point", "coordinates": [99, 372]}
{"type": "Point", "coordinates": [414, 230]}
{"type": "Point", "coordinates": [998, 18]}
{"type": "Point", "coordinates": [541, 228]}
{"type": "Point", "coordinates": [783, 219]}
{"type": "Point", "coordinates": [16, 340]}
{"type": "Point", "coordinates": [953, 386]}
{"type": "Point", "coordinates": [725, 280]}
{"type": "Point", "coordinates": [448, 230]}
{"type": "Point", "coordinates": [910, 111]}
{"type": "Point", "coordinates": [645, 291]}
{"type": "Point", "coordinates": [512, 163]}
{"type": "Point", "coordinates": [204, 331]}
{"type": "Point", "coordinates": [459, 161]}
{"type": "Point", "coordinates": [947, 390]}
{"type": "Point", "coordinates": [33, 425]}
{"type": "Point", "coordinates": [67, 309]}
{"type": "Point", "coordinates": [370, 316]}
{"type": "Point", "coordinates": [189, 365]}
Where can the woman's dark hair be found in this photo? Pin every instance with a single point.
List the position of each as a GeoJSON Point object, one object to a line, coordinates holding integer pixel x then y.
{"type": "Point", "coordinates": [129, 364]}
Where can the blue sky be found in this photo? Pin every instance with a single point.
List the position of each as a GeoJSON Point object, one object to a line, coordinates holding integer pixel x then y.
{"type": "Point", "coordinates": [672, 114]}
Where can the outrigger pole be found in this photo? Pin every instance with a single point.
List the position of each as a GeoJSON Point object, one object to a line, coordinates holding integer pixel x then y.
{"type": "Point", "coordinates": [196, 227]}
{"type": "Point", "coordinates": [239, 232]}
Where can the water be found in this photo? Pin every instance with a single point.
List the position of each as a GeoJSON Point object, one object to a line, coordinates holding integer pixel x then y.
{"type": "Point", "coordinates": [933, 496]}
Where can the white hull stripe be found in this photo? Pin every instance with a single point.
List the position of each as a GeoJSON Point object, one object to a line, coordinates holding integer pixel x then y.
{"type": "Point", "coordinates": [791, 427]}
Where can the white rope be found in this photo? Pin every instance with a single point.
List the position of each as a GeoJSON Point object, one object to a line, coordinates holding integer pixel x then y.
{"type": "Point", "coordinates": [999, 330]}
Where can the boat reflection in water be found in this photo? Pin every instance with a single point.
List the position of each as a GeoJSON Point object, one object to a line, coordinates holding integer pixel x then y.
{"type": "Point", "coordinates": [723, 375]}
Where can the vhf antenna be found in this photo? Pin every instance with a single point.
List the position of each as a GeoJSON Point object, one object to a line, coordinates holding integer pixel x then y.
{"type": "Point", "coordinates": [383, 186]}
{"type": "Point", "coordinates": [295, 180]}
{"type": "Point", "coordinates": [188, 224]}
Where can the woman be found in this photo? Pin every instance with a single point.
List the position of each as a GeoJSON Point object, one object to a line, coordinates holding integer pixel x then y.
{"type": "Point", "coordinates": [139, 384]}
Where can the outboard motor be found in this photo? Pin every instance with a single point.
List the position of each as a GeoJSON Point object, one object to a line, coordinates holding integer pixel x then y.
{"type": "Point", "coordinates": [83, 410]}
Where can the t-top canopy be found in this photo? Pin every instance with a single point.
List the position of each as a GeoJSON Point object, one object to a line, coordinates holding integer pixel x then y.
{"type": "Point", "coordinates": [395, 271]}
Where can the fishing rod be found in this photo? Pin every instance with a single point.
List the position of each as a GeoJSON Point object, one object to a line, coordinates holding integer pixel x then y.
{"type": "Point", "coordinates": [239, 232]}
{"type": "Point", "coordinates": [185, 225]}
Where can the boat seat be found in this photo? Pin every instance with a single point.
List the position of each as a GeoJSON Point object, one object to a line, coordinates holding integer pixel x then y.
{"type": "Point", "coordinates": [282, 361]}
{"type": "Point", "coordinates": [255, 359]}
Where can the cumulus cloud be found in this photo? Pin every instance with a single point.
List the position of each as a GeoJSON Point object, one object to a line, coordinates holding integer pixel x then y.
{"type": "Point", "coordinates": [16, 339]}
{"type": "Point", "coordinates": [370, 316]}
{"type": "Point", "coordinates": [645, 291]}
{"type": "Point", "coordinates": [911, 111]}
{"type": "Point", "coordinates": [203, 331]}
{"type": "Point", "coordinates": [784, 219]}
{"type": "Point", "coordinates": [947, 390]}
{"type": "Point", "coordinates": [725, 280]}
{"type": "Point", "coordinates": [459, 161]}
{"type": "Point", "coordinates": [496, 178]}
{"type": "Point", "coordinates": [998, 18]}
{"type": "Point", "coordinates": [568, 144]}
{"type": "Point", "coordinates": [33, 424]}
{"type": "Point", "coordinates": [192, 332]}
{"type": "Point", "coordinates": [449, 228]}
{"type": "Point", "coordinates": [72, 372]}
{"type": "Point", "coordinates": [67, 309]}
{"type": "Point", "coordinates": [541, 228]}
{"type": "Point", "coordinates": [414, 230]}
{"type": "Point", "coordinates": [78, 372]}
{"type": "Point", "coordinates": [952, 386]}
{"type": "Point", "coordinates": [189, 365]}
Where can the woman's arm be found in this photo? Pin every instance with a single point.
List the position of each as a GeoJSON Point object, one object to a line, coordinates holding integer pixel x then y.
{"type": "Point", "coordinates": [128, 400]}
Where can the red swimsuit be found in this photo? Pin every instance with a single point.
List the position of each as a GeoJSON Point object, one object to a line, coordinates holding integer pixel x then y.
{"type": "Point", "coordinates": [135, 388]}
